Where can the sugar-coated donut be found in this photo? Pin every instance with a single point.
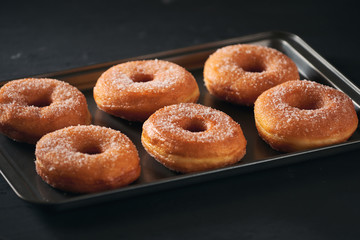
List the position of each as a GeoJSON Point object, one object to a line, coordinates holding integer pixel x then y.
{"type": "Point", "coordinates": [190, 137]}
{"type": "Point", "coordinates": [134, 90]}
{"type": "Point", "coordinates": [32, 107]}
{"type": "Point", "coordinates": [240, 73]}
{"type": "Point", "coordinates": [84, 159]}
{"type": "Point", "coordinates": [299, 115]}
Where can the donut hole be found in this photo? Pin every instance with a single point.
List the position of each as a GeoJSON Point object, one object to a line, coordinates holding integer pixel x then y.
{"type": "Point", "coordinates": [43, 101]}
{"type": "Point", "coordinates": [195, 125]}
{"type": "Point", "coordinates": [254, 64]}
{"type": "Point", "coordinates": [90, 149]}
{"type": "Point", "coordinates": [255, 68]}
{"type": "Point", "coordinates": [142, 77]}
{"type": "Point", "coordinates": [306, 102]}
{"type": "Point", "coordinates": [309, 105]}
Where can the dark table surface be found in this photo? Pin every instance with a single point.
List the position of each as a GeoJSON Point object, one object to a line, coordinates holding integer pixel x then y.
{"type": "Point", "coordinates": [315, 199]}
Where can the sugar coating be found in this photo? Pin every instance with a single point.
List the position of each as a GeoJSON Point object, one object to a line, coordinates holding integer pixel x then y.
{"type": "Point", "coordinates": [86, 159]}
{"type": "Point", "coordinates": [136, 89]}
{"type": "Point", "coordinates": [168, 121]}
{"type": "Point", "coordinates": [190, 137]}
{"type": "Point", "coordinates": [32, 107]}
{"type": "Point", "coordinates": [62, 148]}
{"type": "Point", "coordinates": [120, 78]}
{"type": "Point", "coordinates": [16, 96]}
{"type": "Point", "coordinates": [240, 73]}
{"type": "Point", "coordinates": [280, 109]}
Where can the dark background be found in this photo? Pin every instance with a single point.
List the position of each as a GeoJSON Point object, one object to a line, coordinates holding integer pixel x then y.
{"type": "Point", "coordinates": [317, 199]}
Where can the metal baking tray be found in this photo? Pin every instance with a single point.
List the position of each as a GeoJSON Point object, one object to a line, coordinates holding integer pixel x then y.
{"type": "Point", "coordinates": [17, 159]}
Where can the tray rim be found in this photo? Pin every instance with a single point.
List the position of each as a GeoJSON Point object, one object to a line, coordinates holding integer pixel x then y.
{"type": "Point", "coordinates": [295, 41]}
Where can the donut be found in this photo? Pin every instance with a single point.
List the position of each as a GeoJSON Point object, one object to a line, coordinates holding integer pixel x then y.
{"type": "Point", "coordinates": [33, 107]}
{"type": "Point", "coordinates": [189, 137]}
{"type": "Point", "coordinates": [301, 114]}
{"type": "Point", "coordinates": [86, 159]}
{"type": "Point", "coordinates": [134, 90]}
{"type": "Point", "coordinates": [240, 73]}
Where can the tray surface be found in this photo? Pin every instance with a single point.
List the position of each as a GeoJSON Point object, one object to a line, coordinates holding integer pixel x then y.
{"type": "Point", "coordinates": [17, 159]}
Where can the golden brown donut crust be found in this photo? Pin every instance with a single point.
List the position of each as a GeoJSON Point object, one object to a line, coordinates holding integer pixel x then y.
{"type": "Point", "coordinates": [190, 137]}
{"type": "Point", "coordinates": [84, 159]}
{"type": "Point", "coordinates": [32, 107]}
{"type": "Point", "coordinates": [240, 73]}
{"type": "Point", "coordinates": [299, 115]}
{"type": "Point", "coordinates": [134, 90]}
